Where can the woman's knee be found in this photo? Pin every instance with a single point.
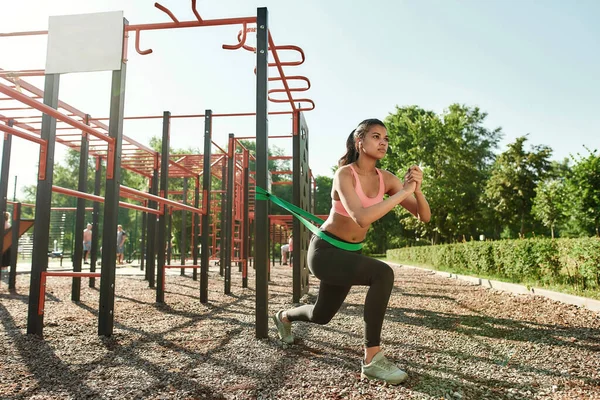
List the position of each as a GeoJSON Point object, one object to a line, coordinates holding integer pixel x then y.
{"type": "Point", "coordinates": [321, 318]}
{"type": "Point", "coordinates": [385, 275]}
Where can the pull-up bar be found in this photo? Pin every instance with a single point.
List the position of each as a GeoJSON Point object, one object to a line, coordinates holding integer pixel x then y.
{"type": "Point", "coordinates": [161, 200]}
{"type": "Point", "coordinates": [100, 199]}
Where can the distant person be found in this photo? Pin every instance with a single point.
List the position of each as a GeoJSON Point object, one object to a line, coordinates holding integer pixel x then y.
{"type": "Point", "coordinates": [121, 238]}
{"type": "Point", "coordinates": [87, 242]}
{"type": "Point", "coordinates": [291, 249]}
{"type": "Point", "coordinates": [285, 248]}
{"type": "Point", "coordinates": [6, 254]}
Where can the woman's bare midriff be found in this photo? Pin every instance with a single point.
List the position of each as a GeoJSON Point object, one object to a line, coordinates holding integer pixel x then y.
{"type": "Point", "coordinates": [344, 227]}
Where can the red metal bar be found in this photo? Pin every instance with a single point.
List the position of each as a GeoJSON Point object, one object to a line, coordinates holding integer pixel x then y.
{"type": "Point", "coordinates": [270, 137]}
{"type": "Point", "coordinates": [218, 147]}
{"type": "Point", "coordinates": [160, 200]}
{"type": "Point", "coordinates": [132, 197]}
{"type": "Point", "coordinates": [195, 11]}
{"type": "Point", "coordinates": [15, 109]}
{"type": "Point", "coordinates": [92, 197]}
{"type": "Point", "coordinates": [139, 208]}
{"type": "Point", "coordinates": [182, 168]}
{"type": "Point", "coordinates": [10, 99]}
{"type": "Point", "coordinates": [157, 26]}
{"type": "Point", "coordinates": [147, 174]}
{"type": "Point", "coordinates": [248, 114]}
{"type": "Point", "coordinates": [190, 24]}
{"type": "Point", "coordinates": [39, 93]}
{"type": "Point", "coordinates": [30, 33]}
{"type": "Point", "coordinates": [166, 11]}
{"type": "Point", "coordinates": [42, 297]}
{"type": "Point", "coordinates": [25, 72]}
{"type": "Point", "coordinates": [77, 193]}
{"type": "Point", "coordinates": [22, 204]}
{"type": "Point", "coordinates": [69, 209]}
{"type": "Point", "coordinates": [241, 39]}
{"type": "Point", "coordinates": [52, 112]}
{"type": "Point", "coordinates": [22, 135]}
{"type": "Point", "coordinates": [281, 73]}
{"type": "Point", "coordinates": [72, 274]}
{"type": "Point", "coordinates": [137, 44]}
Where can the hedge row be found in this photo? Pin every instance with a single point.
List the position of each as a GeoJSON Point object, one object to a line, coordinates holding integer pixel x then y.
{"type": "Point", "coordinates": [574, 262]}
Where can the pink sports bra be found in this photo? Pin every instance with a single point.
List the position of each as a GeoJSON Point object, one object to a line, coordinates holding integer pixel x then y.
{"type": "Point", "coordinates": [337, 205]}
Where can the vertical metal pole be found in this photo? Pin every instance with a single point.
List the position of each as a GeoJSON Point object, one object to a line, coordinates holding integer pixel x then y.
{"type": "Point", "coordinates": [6, 149]}
{"type": "Point", "coordinates": [143, 241]}
{"type": "Point", "coordinates": [246, 221]}
{"type": "Point", "coordinates": [151, 241]}
{"type": "Point", "coordinates": [183, 244]}
{"type": "Point", "coordinates": [164, 193]}
{"type": "Point", "coordinates": [296, 199]}
{"type": "Point", "coordinates": [229, 225]}
{"type": "Point", "coordinates": [43, 200]}
{"type": "Point", "coordinates": [96, 220]}
{"type": "Point", "coordinates": [223, 224]}
{"type": "Point", "coordinates": [169, 235]}
{"type": "Point", "coordinates": [273, 231]}
{"type": "Point", "coordinates": [80, 215]}
{"type": "Point", "coordinates": [134, 238]}
{"type": "Point", "coordinates": [15, 189]}
{"type": "Point", "coordinates": [111, 203]}
{"type": "Point", "coordinates": [206, 186]}
{"type": "Point", "coordinates": [251, 238]}
{"type": "Point", "coordinates": [262, 146]}
{"type": "Point", "coordinates": [195, 228]}
{"type": "Point", "coordinates": [12, 274]}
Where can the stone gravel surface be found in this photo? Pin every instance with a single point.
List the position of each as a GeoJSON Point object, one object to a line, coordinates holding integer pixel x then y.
{"type": "Point", "coordinates": [456, 341]}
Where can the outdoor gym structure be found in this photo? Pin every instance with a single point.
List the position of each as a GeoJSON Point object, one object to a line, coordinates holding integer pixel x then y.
{"type": "Point", "coordinates": [91, 137]}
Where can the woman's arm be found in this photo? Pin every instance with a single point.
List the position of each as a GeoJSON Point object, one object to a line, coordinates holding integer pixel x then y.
{"type": "Point", "coordinates": [343, 184]}
{"type": "Point", "coordinates": [417, 205]}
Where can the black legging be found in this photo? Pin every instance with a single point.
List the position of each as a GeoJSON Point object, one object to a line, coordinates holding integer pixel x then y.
{"type": "Point", "coordinates": [338, 271]}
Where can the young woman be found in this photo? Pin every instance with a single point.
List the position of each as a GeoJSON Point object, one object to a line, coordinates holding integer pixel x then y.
{"type": "Point", "coordinates": [357, 202]}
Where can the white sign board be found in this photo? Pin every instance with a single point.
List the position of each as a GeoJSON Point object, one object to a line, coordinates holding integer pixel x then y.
{"type": "Point", "coordinates": [85, 43]}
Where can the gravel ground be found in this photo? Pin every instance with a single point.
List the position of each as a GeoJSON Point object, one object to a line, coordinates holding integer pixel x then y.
{"type": "Point", "coordinates": [455, 340]}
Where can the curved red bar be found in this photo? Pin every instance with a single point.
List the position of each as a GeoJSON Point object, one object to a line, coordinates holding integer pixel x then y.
{"type": "Point", "coordinates": [241, 40]}
{"type": "Point", "coordinates": [137, 44]}
{"type": "Point", "coordinates": [166, 11]}
{"type": "Point", "coordinates": [196, 12]}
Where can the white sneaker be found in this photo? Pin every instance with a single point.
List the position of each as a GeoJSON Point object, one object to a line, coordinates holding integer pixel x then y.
{"type": "Point", "coordinates": [284, 329]}
{"type": "Point", "coordinates": [382, 369]}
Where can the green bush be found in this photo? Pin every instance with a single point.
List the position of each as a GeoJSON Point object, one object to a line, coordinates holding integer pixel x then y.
{"type": "Point", "coordinates": [574, 262]}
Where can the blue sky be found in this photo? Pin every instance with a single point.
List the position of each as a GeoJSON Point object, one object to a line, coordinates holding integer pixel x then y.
{"type": "Point", "coordinates": [531, 65]}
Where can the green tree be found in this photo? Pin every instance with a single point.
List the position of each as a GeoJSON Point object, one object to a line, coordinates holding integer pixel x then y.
{"type": "Point", "coordinates": [584, 187]}
{"type": "Point", "coordinates": [455, 152]}
{"type": "Point", "coordinates": [323, 194]}
{"type": "Point", "coordinates": [511, 188]}
{"type": "Point", "coordinates": [548, 203]}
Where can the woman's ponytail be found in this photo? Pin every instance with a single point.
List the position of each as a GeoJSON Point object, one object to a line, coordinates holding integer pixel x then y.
{"type": "Point", "coordinates": [351, 151]}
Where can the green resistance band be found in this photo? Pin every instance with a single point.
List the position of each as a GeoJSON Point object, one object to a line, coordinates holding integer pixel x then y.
{"type": "Point", "coordinates": [303, 216]}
